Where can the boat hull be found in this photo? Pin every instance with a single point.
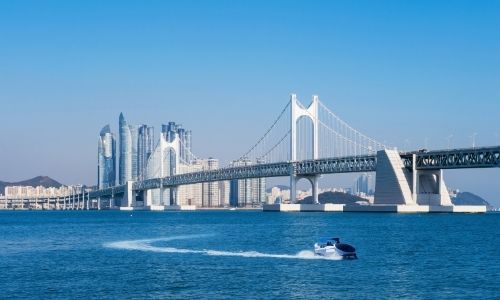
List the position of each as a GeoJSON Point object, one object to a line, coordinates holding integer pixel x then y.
{"type": "Point", "coordinates": [332, 251]}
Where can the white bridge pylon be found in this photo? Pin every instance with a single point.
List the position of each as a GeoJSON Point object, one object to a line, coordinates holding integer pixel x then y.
{"type": "Point", "coordinates": [298, 111]}
{"type": "Point", "coordinates": [166, 147]}
{"type": "Point", "coordinates": [164, 161]}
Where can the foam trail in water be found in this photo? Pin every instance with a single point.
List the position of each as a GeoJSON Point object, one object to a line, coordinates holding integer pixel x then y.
{"type": "Point", "coordinates": [147, 245]}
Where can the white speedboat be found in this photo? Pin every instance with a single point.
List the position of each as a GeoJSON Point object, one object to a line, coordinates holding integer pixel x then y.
{"type": "Point", "coordinates": [333, 247]}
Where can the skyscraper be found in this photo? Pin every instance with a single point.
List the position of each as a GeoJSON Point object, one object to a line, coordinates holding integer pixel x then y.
{"type": "Point", "coordinates": [145, 147]}
{"type": "Point", "coordinates": [181, 131]}
{"type": "Point", "coordinates": [247, 192]}
{"type": "Point", "coordinates": [169, 130]}
{"type": "Point", "coordinates": [134, 154]}
{"type": "Point", "coordinates": [211, 189]}
{"type": "Point", "coordinates": [125, 165]}
{"type": "Point", "coordinates": [224, 192]}
{"type": "Point", "coordinates": [187, 146]}
{"type": "Point", "coordinates": [362, 184]}
{"type": "Point", "coordinates": [106, 172]}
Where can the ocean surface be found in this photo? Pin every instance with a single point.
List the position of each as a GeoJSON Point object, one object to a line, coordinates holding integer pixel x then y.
{"type": "Point", "coordinates": [246, 255]}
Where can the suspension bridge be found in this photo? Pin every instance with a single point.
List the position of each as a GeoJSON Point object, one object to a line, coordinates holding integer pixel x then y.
{"type": "Point", "coordinates": [305, 142]}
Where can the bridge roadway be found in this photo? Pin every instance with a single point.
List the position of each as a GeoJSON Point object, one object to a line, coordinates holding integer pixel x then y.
{"type": "Point", "coordinates": [485, 157]}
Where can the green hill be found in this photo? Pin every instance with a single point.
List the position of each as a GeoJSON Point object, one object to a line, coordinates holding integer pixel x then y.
{"type": "Point", "coordinates": [467, 198]}
{"type": "Point", "coordinates": [334, 198]}
{"type": "Point", "coordinates": [44, 181]}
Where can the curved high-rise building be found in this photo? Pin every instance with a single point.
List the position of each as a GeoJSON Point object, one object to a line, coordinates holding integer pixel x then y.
{"type": "Point", "coordinates": [125, 165]}
{"type": "Point", "coordinates": [135, 147]}
{"type": "Point", "coordinates": [170, 130]}
{"type": "Point", "coordinates": [106, 170]}
{"type": "Point", "coordinates": [145, 146]}
{"type": "Point", "coordinates": [187, 146]}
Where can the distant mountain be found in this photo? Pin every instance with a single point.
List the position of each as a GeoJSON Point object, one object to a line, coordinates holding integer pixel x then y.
{"type": "Point", "coordinates": [335, 198]}
{"type": "Point", "coordinates": [281, 187]}
{"type": "Point", "coordinates": [44, 181]}
{"type": "Point", "coordinates": [466, 198]}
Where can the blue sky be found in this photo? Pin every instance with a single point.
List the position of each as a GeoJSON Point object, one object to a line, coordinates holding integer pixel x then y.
{"type": "Point", "coordinates": [396, 70]}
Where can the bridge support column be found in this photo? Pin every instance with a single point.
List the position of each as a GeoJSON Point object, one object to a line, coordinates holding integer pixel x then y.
{"type": "Point", "coordinates": [173, 196]}
{"type": "Point", "coordinates": [147, 196]}
{"type": "Point", "coordinates": [293, 188]}
{"type": "Point", "coordinates": [128, 199]}
{"type": "Point", "coordinates": [430, 188]}
{"type": "Point", "coordinates": [315, 189]}
{"type": "Point", "coordinates": [392, 179]}
{"type": "Point", "coordinates": [314, 180]}
{"type": "Point", "coordinates": [395, 184]}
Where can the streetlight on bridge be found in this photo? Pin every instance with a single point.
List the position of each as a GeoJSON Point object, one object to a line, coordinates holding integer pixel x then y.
{"type": "Point", "coordinates": [474, 140]}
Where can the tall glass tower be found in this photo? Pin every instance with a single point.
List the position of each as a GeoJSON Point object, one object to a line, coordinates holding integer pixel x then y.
{"type": "Point", "coordinates": [106, 158]}
{"type": "Point", "coordinates": [187, 146]}
{"type": "Point", "coordinates": [135, 148]}
{"type": "Point", "coordinates": [125, 166]}
{"type": "Point", "coordinates": [247, 192]}
{"type": "Point", "coordinates": [181, 131]}
{"type": "Point", "coordinates": [145, 147]}
{"type": "Point", "coordinates": [185, 135]}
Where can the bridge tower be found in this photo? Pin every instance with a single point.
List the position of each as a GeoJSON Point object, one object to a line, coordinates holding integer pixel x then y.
{"type": "Point", "coordinates": [165, 148]}
{"type": "Point", "coordinates": [161, 155]}
{"type": "Point", "coordinates": [298, 111]}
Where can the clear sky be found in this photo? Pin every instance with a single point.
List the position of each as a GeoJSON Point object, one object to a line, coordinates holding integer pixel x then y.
{"type": "Point", "coordinates": [396, 70]}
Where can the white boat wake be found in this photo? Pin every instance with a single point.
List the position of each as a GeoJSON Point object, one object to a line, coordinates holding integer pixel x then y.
{"type": "Point", "coordinates": [148, 246]}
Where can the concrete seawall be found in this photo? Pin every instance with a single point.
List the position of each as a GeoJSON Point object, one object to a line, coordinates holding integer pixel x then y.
{"type": "Point", "coordinates": [388, 208]}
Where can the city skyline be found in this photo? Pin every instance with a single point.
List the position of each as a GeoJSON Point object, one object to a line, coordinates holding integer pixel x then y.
{"type": "Point", "coordinates": [222, 93]}
{"type": "Point", "coordinates": [136, 162]}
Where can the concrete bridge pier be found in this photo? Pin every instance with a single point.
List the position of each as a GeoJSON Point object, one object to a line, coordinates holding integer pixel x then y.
{"type": "Point", "coordinates": [396, 184]}
{"type": "Point", "coordinates": [173, 196]}
{"type": "Point", "coordinates": [147, 196]}
{"type": "Point", "coordinates": [128, 199]}
{"type": "Point", "coordinates": [313, 179]}
{"type": "Point", "coordinates": [429, 188]}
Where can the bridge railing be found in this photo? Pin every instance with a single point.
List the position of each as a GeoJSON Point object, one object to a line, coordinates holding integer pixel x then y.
{"type": "Point", "coordinates": [443, 159]}
{"type": "Point", "coordinates": [365, 163]}
{"type": "Point", "coordinates": [119, 189]}
{"type": "Point", "coordinates": [229, 173]}
{"type": "Point", "coordinates": [484, 157]}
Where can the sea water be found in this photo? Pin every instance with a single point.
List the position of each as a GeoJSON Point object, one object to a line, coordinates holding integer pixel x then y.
{"type": "Point", "coordinates": [246, 255]}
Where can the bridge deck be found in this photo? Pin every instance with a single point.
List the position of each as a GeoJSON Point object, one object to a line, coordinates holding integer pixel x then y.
{"type": "Point", "coordinates": [486, 157]}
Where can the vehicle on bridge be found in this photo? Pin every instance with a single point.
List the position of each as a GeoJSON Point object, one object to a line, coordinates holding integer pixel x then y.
{"type": "Point", "coordinates": [333, 247]}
